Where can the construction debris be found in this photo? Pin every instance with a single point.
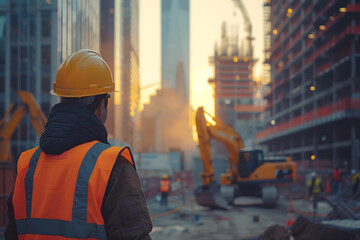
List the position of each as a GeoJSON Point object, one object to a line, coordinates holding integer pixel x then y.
{"type": "Point", "coordinates": [340, 210]}
{"type": "Point", "coordinates": [276, 232]}
{"type": "Point", "coordinates": [304, 229]}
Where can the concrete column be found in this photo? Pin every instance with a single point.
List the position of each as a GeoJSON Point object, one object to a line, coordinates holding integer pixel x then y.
{"type": "Point", "coordinates": [333, 147]}
{"type": "Point", "coordinates": [315, 133]}
{"type": "Point", "coordinates": [7, 58]}
{"type": "Point", "coordinates": [302, 151]}
{"type": "Point", "coordinates": [38, 65]}
{"type": "Point", "coordinates": [353, 62]}
{"type": "Point", "coordinates": [355, 148]}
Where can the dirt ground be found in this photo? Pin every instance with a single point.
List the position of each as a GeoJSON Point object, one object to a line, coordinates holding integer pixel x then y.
{"type": "Point", "coordinates": [195, 222]}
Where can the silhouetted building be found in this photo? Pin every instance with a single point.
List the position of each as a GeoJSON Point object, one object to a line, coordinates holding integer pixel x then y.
{"type": "Point", "coordinates": [164, 123]}
{"type": "Point", "coordinates": [314, 101]}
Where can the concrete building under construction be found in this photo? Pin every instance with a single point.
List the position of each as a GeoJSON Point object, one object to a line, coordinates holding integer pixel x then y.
{"type": "Point", "coordinates": [234, 88]}
{"type": "Point", "coordinates": [313, 106]}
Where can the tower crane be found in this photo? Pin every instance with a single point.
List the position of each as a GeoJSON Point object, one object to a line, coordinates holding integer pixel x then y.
{"type": "Point", "coordinates": [248, 26]}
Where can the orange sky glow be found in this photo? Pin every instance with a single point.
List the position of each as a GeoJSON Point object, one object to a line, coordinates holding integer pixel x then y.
{"type": "Point", "coordinates": [206, 17]}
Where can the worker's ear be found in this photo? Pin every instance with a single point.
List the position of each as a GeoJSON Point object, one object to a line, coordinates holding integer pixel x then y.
{"type": "Point", "coordinates": [101, 111]}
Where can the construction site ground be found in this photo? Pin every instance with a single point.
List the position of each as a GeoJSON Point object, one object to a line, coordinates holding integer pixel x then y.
{"type": "Point", "coordinates": [191, 221]}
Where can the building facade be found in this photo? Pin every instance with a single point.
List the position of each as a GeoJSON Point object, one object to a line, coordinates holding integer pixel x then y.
{"type": "Point", "coordinates": [313, 106]}
{"type": "Point", "coordinates": [120, 49]}
{"type": "Point", "coordinates": [234, 89]}
{"type": "Point", "coordinates": [35, 37]}
{"type": "Point", "coordinates": [111, 50]}
{"type": "Point", "coordinates": [175, 46]}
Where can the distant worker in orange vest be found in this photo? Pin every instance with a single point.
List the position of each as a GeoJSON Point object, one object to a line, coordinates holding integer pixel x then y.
{"type": "Point", "coordinates": [75, 185]}
{"type": "Point", "coordinates": [165, 189]}
{"type": "Point", "coordinates": [337, 180]}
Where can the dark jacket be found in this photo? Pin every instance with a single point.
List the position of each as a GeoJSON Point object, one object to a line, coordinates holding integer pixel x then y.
{"type": "Point", "coordinates": [124, 207]}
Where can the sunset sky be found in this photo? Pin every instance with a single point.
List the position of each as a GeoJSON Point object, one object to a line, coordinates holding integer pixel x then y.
{"type": "Point", "coordinates": [206, 18]}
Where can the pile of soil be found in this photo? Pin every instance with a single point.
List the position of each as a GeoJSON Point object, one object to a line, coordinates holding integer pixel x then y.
{"type": "Point", "coordinates": [304, 229]}
{"type": "Point", "coordinates": [275, 232]}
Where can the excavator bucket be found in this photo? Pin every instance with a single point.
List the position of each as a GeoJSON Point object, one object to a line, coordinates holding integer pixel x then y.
{"type": "Point", "coordinates": [210, 196]}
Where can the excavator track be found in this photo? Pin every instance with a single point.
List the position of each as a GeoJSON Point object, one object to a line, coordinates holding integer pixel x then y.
{"type": "Point", "coordinates": [210, 196]}
{"type": "Point", "coordinates": [269, 195]}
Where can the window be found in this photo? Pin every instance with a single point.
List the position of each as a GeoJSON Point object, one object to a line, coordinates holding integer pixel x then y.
{"type": "Point", "coordinates": [2, 26]}
{"type": "Point", "coordinates": [2, 86]}
{"type": "Point", "coordinates": [166, 5]}
{"type": "Point", "coordinates": [46, 23]}
{"type": "Point", "coordinates": [45, 84]}
{"type": "Point", "coordinates": [45, 55]}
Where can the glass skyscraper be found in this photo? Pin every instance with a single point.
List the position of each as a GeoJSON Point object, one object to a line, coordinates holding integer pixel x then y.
{"type": "Point", "coordinates": [120, 48]}
{"type": "Point", "coordinates": [175, 46]}
{"type": "Point", "coordinates": [35, 37]}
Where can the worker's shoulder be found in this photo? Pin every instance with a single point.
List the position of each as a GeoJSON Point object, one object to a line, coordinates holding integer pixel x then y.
{"type": "Point", "coordinates": [28, 153]}
{"type": "Point", "coordinates": [124, 155]}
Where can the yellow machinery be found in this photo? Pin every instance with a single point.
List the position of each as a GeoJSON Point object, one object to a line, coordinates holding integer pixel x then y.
{"type": "Point", "coordinates": [16, 114]}
{"type": "Point", "coordinates": [249, 173]}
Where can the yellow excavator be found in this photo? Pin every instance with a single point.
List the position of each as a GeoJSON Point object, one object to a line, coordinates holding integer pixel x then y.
{"type": "Point", "coordinates": [13, 117]}
{"type": "Point", "coordinates": [249, 173]}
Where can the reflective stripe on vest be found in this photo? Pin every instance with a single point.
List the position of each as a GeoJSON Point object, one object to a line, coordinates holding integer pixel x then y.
{"type": "Point", "coordinates": [317, 185]}
{"type": "Point", "coordinates": [60, 196]}
{"type": "Point", "coordinates": [355, 178]}
{"type": "Point", "coordinates": [164, 185]}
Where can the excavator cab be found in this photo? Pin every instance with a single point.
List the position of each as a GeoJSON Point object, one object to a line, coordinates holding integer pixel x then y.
{"type": "Point", "coordinates": [249, 160]}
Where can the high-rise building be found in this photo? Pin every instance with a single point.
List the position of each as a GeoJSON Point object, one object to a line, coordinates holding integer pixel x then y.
{"type": "Point", "coordinates": [235, 89]}
{"type": "Point", "coordinates": [314, 102]}
{"type": "Point", "coordinates": [35, 37]}
{"type": "Point", "coordinates": [175, 46]}
{"type": "Point", "coordinates": [120, 49]}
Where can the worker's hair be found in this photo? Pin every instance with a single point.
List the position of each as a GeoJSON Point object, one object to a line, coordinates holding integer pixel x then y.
{"type": "Point", "coordinates": [91, 102]}
{"type": "Point", "coordinates": [95, 104]}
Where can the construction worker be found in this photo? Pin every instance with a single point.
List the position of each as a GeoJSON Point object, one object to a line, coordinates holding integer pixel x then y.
{"type": "Point", "coordinates": [355, 177]}
{"type": "Point", "coordinates": [314, 186]}
{"type": "Point", "coordinates": [76, 185]}
{"type": "Point", "coordinates": [337, 178]}
{"type": "Point", "coordinates": [164, 189]}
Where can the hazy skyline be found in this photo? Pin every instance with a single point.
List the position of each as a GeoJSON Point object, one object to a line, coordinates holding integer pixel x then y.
{"type": "Point", "coordinates": [206, 17]}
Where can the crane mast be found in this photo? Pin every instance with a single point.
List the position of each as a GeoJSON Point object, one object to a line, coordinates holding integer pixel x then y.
{"type": "Point", "coordinates": [248, 26]}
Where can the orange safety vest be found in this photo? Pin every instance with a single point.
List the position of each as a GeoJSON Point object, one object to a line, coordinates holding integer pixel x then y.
{"type": "Point", "coordinates": [164, 186]}
{"type": "Point", "coordinates": [337, 175]}
{"type": "Point", "coordinates": [59, 197]}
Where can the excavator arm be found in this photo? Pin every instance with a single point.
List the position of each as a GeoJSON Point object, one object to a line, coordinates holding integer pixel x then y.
{"type": "Point", "coordinates": [223, 133]}
{"type": "Point", "coordinates": [7, 128]}
{"type": "Point", "coordinates": [209, 193]}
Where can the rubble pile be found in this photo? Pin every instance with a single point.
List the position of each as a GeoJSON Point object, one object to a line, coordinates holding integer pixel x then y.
{"type": "Point", "coordinates": [304, 229]}
{"type": "Point", "coordinates": [276, 232]}
{"type": "Point", "coordinates": [344, 208]}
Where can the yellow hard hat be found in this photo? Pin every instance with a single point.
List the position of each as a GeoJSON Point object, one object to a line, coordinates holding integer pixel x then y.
{"type": "Point", "coordinates": [165, 176]}
{"type": "Point", "coordinates": [84, 73]}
